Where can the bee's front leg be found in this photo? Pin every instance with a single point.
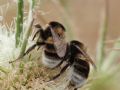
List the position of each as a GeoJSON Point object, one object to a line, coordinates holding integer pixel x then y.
{"type": "Point", "coordinates": [29, 49]}
{"type": "Point", "coordinates": [35, 34]}
{"type": "Point", "coordinates": [33, 47]}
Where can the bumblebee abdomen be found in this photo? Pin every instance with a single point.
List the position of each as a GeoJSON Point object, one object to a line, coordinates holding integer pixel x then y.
{"type": "Point", "coordinates": [79, 73]}
{"type": "Point", "coordinates": [81, 67]}
{"type": "Point", "coordinates": [77, 80]}
{"type": "Point", "coordinates": [50, 60]}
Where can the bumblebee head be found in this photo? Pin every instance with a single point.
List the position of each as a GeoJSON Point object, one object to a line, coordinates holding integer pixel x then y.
{"type": "Point", "coordinates": [46, 33]}
{"type": "Point", "coordinates": [56, 25]}
{"type": "Point", "coordinates": [58, 29]}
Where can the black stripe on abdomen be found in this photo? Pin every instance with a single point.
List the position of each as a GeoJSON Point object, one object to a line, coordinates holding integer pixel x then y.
{"type": "Point", "coordinates": [81, 67]}
{"type": "Point", "coordinates": [50, 60]}
{"type": "Point", "coordinates": [50, 55]}
{"type": "Point", "coordinates": [79, 73]}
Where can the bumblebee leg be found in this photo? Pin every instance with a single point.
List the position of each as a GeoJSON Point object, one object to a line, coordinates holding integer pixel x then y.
{"type": "Point", "coordinates": [33, 46]}
{"type": "Point", "coordinates": [36, 34]}
{"type": "Point", "coordinates": [75, 88]}
{"type": "Point", "coordinates": [64, 59]}
{"type": "Point", "coordinates": [30, 49]}
{"type": "Point", "coordinates": [61, 72]}
{"type": "Point", "coordinates": [59, 63]}
{"type": "Point", "coordinates": [38, 48]}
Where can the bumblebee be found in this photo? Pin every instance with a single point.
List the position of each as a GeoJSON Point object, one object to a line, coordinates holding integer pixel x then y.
{"type": "Point", "coordinates": [52, 56]}
{"type": "Point", "coordinates": [57, 51]}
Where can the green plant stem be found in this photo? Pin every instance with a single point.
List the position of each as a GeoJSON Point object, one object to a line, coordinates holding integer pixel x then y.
{"type": "Point", "coordinates": [101, 44]}
{"type": "Point", "coordinates": [19, 22]}
{"type": "Point", "coordinates": [25, 41]}
{"type": "Point", "coordinates": [29, 26]}
{"type": "Point", "coordinates": [102, 37]}
{"type": "Point", "coordinates": [32, 4]}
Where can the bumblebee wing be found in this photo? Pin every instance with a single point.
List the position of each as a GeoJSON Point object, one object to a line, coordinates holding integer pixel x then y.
{"type": "Point", "coordinates": [86, 56]}
{"type": "Point", "coordinates": [60, 44]}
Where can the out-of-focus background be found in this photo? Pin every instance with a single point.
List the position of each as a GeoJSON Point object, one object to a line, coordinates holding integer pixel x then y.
{"type": "Point", "coordinates": [83, 17]}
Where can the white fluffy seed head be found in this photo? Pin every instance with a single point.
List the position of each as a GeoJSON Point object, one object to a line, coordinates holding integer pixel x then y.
{"type": "Point", "coordinates": [7, 46]}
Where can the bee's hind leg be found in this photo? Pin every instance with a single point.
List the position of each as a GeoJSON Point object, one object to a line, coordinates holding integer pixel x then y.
{"type": "Point", "coordinates": [61, 72]}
